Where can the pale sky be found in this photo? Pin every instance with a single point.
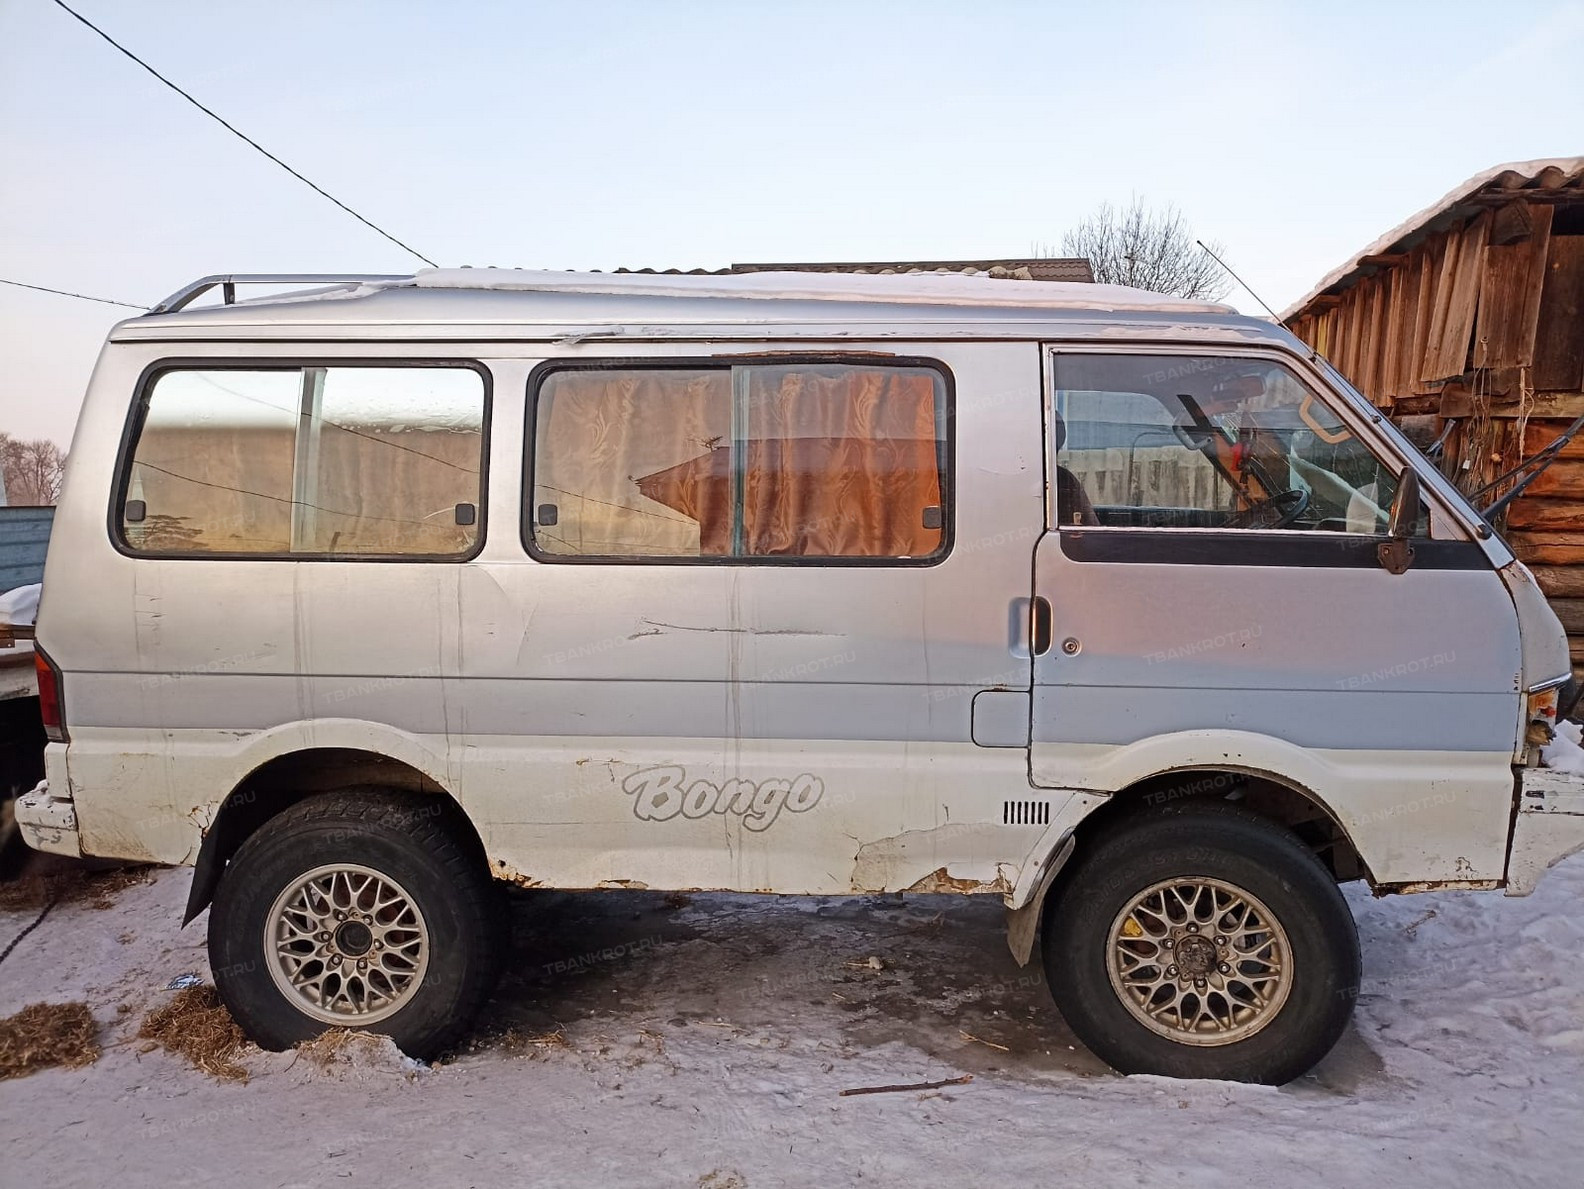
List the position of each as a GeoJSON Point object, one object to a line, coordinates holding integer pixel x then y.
{"type": "Point", "coordinates": [600, 135]}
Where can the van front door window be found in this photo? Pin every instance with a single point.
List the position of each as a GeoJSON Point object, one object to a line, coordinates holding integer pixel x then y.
{"type": "Point", "coordinates": [1211, 442]}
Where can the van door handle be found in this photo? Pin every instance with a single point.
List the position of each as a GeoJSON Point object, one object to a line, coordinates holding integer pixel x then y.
{"type": "Point", "coordinates": [1041, 635]}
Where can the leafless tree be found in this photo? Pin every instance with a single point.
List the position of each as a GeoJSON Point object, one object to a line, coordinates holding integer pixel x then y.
{"type": "Point", "coordinates": [33, 470]}
{"type": "Point", "coordinates": [1148, 249]}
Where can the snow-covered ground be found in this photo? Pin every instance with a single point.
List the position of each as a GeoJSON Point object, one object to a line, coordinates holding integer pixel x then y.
{"type": "Point", "coordinates": [705, 1044]}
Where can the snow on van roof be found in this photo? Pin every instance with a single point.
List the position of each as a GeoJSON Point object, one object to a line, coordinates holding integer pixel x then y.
{"type": "Point", "coordinates": [950, 289]}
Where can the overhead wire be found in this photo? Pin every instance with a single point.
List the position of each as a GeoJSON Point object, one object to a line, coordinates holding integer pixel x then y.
{"type": "Point", "coordinates": [235, 131]}
{"type": "Point", "coordinates": [109, 301]}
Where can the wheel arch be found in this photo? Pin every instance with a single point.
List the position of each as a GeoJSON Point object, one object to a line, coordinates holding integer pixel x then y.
{"type": "Point", "coordinates": [1275, 798]}
{"type": "Point", "coordinates": [1270, 795]}
{"type": "Point", "coordinates": [290, 777]}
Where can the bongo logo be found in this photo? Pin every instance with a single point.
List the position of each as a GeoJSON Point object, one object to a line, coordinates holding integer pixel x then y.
{"type": "Point", "coordinates": [660, 794]}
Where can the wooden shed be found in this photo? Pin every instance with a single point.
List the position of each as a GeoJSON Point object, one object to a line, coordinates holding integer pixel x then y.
{"type": "Point", "coordinates": [1466, 323]}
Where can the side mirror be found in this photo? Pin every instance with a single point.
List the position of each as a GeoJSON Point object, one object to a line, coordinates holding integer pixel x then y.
{"type": "Point", "coordinates": [1395, 553]}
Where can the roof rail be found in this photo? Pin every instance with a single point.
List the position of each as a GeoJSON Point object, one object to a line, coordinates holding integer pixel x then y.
{"type": "Point", "coordinates": [229, 281]}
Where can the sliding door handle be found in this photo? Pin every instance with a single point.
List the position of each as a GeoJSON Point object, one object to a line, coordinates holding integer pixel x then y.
{"type": "Point", "coordinates": [1040, 635]}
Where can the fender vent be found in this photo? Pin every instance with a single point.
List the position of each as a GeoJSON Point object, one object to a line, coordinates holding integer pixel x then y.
{"type": "Point", "coordinates": [1025, 813]}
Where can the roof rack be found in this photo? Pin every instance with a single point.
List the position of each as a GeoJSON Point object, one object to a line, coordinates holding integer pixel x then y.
{"type": "Point", "coordinates": [229, 281]}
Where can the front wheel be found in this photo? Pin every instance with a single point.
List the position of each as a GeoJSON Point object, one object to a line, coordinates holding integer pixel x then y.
{"type": "Point", "coordinates": [364, 909]}
{"type": "Point", "coordinates": [1202, 941]}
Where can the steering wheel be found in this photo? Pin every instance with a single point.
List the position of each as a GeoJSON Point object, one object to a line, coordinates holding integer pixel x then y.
{"type": "Point", "coordinates": [1278, 511]}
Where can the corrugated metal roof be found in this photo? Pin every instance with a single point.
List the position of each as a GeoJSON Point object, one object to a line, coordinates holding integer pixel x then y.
{"type": "Point", "coordinates": [1053, 268]}
{"type": "Point", "coordinates": [1544, 178]}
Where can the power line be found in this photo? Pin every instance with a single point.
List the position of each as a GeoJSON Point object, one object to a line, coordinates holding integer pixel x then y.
{"type": "Point", "coordinates": [67, 293]}
{"type": "Point", "coordinates": [243, 136]}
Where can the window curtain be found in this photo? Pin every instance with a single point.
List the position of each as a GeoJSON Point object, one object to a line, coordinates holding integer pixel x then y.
{"type": "Point", "coordinates": [829, 461]}
{"type": "Point", "coordinates": [841, 462]}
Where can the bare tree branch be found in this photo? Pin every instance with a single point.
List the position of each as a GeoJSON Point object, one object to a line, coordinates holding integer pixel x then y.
{"type": "Point", "coordinates": [32, 470]}
{"type": "Point", "coordinates": [1147, 249]}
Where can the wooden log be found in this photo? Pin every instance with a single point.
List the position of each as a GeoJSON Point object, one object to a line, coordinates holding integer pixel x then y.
{"type": "Point", "coordinates": [1548, 549]}
{"type": "Point", "coordinates": [1564, 478]}
{"type": "Point", "coordinates": [1571, 613]}
{"type": "Point", "coordinates": [1539, 434]}
{"type": "Point", "coordinates": [1552, 515]}
{"type": "Point", "coordinates": [1560, 582]}
{"type": "Point", "coordinates": [1556, 405]}
{"type": "Point", "coordinates": [1576, 655]}
{"type": "Point", "coordinates": [1547, 407]}
{"type": "Point", "coordinates": [1456, 400]}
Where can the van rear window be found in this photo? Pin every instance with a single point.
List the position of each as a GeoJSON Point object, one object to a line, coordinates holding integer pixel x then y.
{"type": "Point", "coordinates": [764, 461]}
{"type": "Point", "coordinates": [310, 461]}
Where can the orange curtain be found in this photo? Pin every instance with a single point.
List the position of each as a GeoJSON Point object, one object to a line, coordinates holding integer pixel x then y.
{"type": "Point", "coordinates": [602, 436]}
{"type": "Point", "coordinates": [840, 461]}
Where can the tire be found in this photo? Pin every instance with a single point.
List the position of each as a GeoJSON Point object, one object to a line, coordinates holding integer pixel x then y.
{"type": "Point", "coordinates": [407, 870]}
{"type": "Point", "coordinates": [1101, 959]}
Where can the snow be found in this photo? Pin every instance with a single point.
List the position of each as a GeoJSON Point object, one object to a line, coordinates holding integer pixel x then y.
{"type": "Point", "coordinates": [704, 1044]}
{"type": "Point", "coordinates": [19, 605]}
{"type": "Point", "coordinates": [1528, 169]}
{"type": "Point", "coordinates": [1564, 753]}
{"type": "Point", "coordinates": [902, 288]}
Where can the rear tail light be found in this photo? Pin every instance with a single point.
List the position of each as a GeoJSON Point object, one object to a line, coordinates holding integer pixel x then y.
{"type": "Point", "coordinates": [52, 702]}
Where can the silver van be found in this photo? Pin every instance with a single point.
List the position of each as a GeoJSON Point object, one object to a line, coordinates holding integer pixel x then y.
{"type": "Point", "coordinates": [365, 600]}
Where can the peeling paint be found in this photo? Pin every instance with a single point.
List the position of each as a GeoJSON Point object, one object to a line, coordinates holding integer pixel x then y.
{"type": "Point", "coordinates": [962, 857]}
{"type": "Point", "coordinates": [942, 880]}
{"type": "Point", "coordinates": [503, 871]}
{"type": "Point", "coordinates": [631, 885]}
{"type": "Point", "coordinates": [1437, 885]}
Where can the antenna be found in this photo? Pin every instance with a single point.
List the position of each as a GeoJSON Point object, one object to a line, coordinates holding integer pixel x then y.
{"type": "Point", "coordinates": [1237, 278]}
{"type": "Point", "coordinates": [1314, 352]}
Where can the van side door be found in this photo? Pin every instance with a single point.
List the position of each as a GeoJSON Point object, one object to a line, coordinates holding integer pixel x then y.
{"type": "Point", "coordinates": [759, 632]}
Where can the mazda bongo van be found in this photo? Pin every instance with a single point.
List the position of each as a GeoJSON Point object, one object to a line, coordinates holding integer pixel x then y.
{"type": "Point", "coordinates": [367, 600]}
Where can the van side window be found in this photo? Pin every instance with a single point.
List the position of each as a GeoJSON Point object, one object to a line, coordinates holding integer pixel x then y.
{"type": "Point", "coordinates": [1209, 442]}
{"type": "Point", "coordinates": [779, 460]}
{"type": "Point", "coordinates": [308, 462]}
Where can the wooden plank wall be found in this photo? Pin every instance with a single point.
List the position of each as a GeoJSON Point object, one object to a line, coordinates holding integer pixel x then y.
{"type": "Point", "coordinates": [1482, 323]}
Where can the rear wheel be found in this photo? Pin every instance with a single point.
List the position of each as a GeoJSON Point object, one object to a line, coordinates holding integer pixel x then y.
{"type": "Point", "coordinates": [1202, 941]}
{"type": "Point", "coordinates": [364, 909]}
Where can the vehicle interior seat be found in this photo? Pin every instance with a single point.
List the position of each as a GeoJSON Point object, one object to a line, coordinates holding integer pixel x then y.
{"type": "Point", "coordinates": [1072, 501]}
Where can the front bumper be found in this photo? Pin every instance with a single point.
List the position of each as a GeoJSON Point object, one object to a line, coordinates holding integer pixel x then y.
{"type": "Point", "coordinates": [1549, 826]}
{"type": "Point", "coordinates": [48, 822]}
